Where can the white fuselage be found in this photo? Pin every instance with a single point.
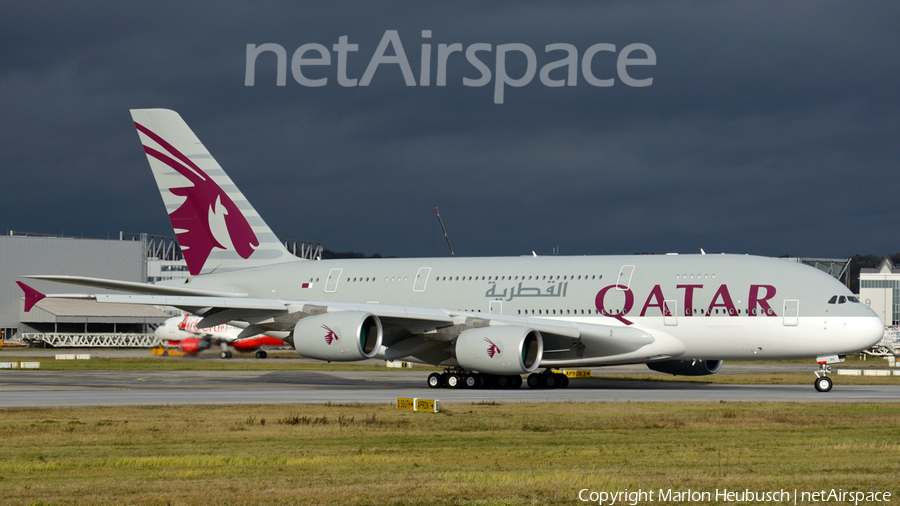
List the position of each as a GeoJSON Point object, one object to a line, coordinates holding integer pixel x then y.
{"type": "Point", "coordinates": [732, 307]}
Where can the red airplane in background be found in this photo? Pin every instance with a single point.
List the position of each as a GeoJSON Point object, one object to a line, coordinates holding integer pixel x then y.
{"type": "Point", "coordinates": [183, 333]}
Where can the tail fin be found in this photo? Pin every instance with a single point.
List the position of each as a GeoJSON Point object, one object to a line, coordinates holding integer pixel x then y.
{"type": "Point", "coordinates": [215, 225]}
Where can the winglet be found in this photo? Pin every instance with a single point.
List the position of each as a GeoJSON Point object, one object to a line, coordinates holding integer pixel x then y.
{"type": "Point", "coordinates": [32, 296]}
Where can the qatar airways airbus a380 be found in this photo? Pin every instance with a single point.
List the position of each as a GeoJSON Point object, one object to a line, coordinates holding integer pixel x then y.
{"type": "Point", "coordinates": [487, 320]}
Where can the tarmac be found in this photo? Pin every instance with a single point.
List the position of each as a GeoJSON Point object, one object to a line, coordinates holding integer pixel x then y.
{"type": "Point", "coordinates": [51, 389]}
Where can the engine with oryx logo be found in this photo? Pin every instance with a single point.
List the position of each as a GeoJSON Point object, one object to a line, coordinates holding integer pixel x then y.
{"type": "Point", "coordinates": [504, 349]}
{"type": "Point", "coordinates": [342, 336]}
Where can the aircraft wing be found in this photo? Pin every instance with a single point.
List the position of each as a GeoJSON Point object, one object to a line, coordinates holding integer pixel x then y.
{"type": "Point", "coordinates": [422, 333]}
{"type": "Point", "coordinates": [416, 331]}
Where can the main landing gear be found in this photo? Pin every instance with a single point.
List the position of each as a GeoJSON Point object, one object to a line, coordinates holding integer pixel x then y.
{"type": "Point", "coordinates": [455, 377]}
{"type": "Point", "coordinates": [548, 379]}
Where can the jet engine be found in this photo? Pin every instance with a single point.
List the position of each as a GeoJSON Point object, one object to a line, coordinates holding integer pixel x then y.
{"type": "Point", "coordinates": [687, 367]}
{"type": "Point", "coordinates": [192, 345]}
{"type": "Point", "coordinates": [506, 349]}
{"type": "Point", "coordinates": [340, 337]}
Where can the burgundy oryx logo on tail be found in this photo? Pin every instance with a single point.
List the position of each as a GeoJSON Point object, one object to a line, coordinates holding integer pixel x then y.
{"type": "Point", "coordinates": [493, 349]}
{"type": "Point", "coordinates": [331, 336]}
{"type": "Point", "coordinates": [204, 201]}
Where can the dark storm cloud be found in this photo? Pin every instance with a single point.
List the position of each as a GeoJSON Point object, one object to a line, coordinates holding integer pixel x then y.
{"type": "Point", "coordinates": [770, 127]}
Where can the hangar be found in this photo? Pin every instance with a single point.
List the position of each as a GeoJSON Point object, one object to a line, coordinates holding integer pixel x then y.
{"type": "Point", "coordinates": [67, 322]}
{"type": "Point", "coordinates": [880, 289]}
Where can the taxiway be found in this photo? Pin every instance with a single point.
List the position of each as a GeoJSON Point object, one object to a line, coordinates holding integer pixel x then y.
{"type": "Point", "coordinates": [48, 389]}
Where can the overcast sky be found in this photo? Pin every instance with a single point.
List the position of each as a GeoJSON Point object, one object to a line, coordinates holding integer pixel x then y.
{"type": "Point", "coordinates": [769, 127]}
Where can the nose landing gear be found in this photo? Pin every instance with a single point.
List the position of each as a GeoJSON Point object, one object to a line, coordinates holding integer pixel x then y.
{"type": "Point", "coordinates": [823, 383]}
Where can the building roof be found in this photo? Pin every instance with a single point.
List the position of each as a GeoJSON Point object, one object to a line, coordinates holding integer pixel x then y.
{"type": "Point", "coordinates": [886, 267]}
{"type": "Point", "coordinates": [79, 310]}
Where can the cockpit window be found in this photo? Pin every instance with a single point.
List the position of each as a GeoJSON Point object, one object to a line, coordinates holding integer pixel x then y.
{"type": "Point", "coordinates": [833, 299]}
{"type": "Point", "coordinates": [842, 299]}
{"type": "Point", "coordinates": [853, 299]}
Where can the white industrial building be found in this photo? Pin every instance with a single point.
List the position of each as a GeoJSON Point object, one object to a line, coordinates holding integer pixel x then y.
{"type": "Point", "coordinates": [880, 289]}
{"type": "Point", "coordinates": [22, 254]}
{"type": "Point", "coordinates": [133, 257]}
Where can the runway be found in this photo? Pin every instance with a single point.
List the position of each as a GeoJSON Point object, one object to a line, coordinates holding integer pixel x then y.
{"type": "Point", "coordinates": [52, 389]}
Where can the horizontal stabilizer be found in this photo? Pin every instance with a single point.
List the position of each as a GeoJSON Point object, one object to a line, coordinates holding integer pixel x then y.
{"type": "Point", "coordinates": [131, 286]}
{"type": "Point", "coordinates": [32, 296]}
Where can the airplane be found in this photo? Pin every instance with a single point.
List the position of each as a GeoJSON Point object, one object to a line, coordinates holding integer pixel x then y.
{"type": "Point", "coordinates": [183, 333]}
{"type": "Point", "coordinates": [486, 321]}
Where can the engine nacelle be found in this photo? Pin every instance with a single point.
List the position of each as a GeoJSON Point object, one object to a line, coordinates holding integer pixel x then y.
{"type": "Point", "coordinates": [505, 349]}
{"type": "Point", "coordinates": [344, 336]}
{"type": "Point", "coordinates": [192, 345]}
{"type": "Point", "coordinates": [687, 367]}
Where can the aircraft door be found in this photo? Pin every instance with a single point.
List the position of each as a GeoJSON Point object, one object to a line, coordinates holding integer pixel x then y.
{"type": "Point", "coordinates": [670, 312]}
{"type": "Point", "coordinates": [421, 279]}
{"type": "Point", "coordinates": [791, 312]}
{"type": "Point", "coordinates": [331, 282]}
{"type": "Point", "coordinates": [625, 277]}
{"type": "Point", "coordinates": [496, 307]}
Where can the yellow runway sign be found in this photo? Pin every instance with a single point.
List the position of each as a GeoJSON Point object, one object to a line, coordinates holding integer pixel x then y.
{"type": "Point", "coordinates": [430, 405]}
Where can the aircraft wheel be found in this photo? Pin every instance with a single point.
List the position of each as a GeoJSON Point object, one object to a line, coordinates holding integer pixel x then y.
{"type": "Point", "coordinates": [483, 381]}
{"type": "Point", "coordinates": [470, 381]}
{"type": "Point", "coordinates": [261, 354]}
{"type": "Point", "coordinates": [563, 381]}
{"type": "Point", "coordinates": [453, 381]}
{"type": "Point", "coordinates": [226, 354]}
{"type": "Point", "coordinates": [824, 384]}
{"type": "Point", "coordinates": [434, 380]}
{"type": "Point", "coordinates": [534, 380]}
{"type": "Point", "coordinates": [516, 382]}
{"type": "Point", "coordinates": [501, 381]}
{"type": "Point", "coordinates": [552, 381]}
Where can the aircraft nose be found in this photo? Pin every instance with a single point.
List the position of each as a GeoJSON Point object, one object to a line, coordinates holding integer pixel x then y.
{"type": "Point", "coordinates": [868, 332]}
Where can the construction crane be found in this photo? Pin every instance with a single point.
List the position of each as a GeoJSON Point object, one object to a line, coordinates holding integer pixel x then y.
{"type": "Point", "coordinates": [445, 231]}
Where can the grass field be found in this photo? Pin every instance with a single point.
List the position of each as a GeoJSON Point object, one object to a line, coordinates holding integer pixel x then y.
{"type": "Point", "coordinates": [468, 454]}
